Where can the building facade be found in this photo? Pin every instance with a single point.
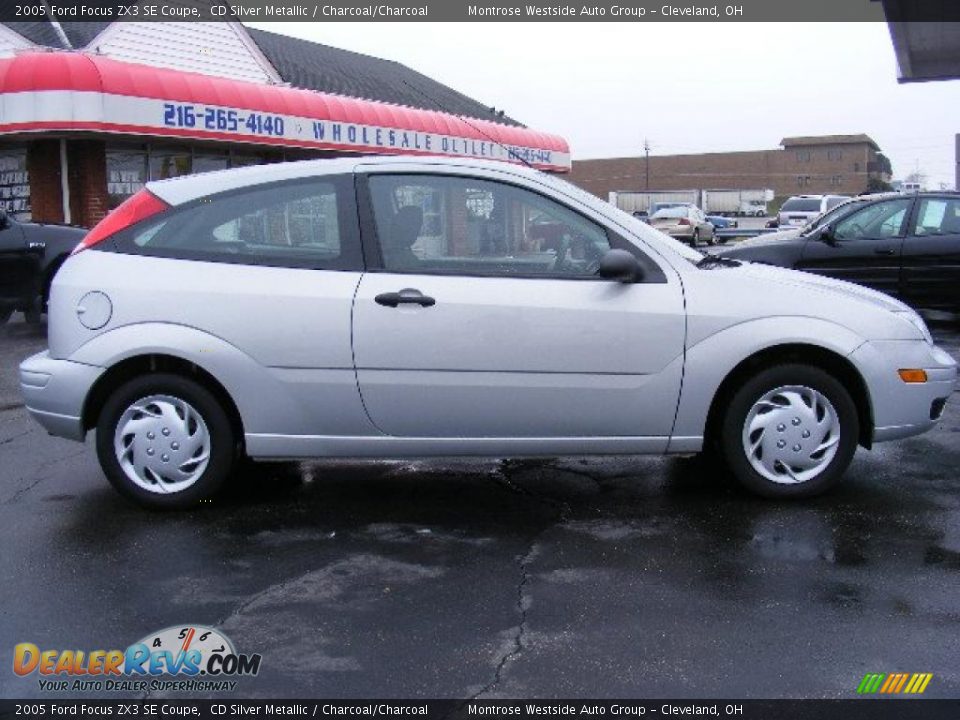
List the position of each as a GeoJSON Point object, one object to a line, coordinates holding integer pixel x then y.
{"type": "Point", "coordinates": [90, 112]}
{"type": "Point", "coordinates": [834, 164]}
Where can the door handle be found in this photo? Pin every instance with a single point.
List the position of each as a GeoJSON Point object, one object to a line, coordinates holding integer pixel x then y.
{"type": "Point", "coordinates": [884, 251]}
{"type": "Point", "coordinates": [393, 299]}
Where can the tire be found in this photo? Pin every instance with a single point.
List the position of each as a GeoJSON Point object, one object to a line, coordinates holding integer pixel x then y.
{"type": "Point", "coordinates": [785, 393]}
{"type": "Point", "coordinates": [713, 240]}
{"type": "Point", "coordinates": [204, 432]}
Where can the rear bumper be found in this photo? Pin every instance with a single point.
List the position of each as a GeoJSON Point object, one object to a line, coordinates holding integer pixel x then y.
{"type": "Point", "coordinates": [902, 409]}
{"type": "Point", "coordinates": [55, 391]}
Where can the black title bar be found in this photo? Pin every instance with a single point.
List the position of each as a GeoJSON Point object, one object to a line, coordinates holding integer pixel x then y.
{"type": "Point", "coordinates": [230, 708]}
{"type": "Point", "coordinates": [475, 10]}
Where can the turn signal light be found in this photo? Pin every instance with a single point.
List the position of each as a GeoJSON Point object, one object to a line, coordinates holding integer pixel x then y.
{"type": "Point", "coordinates": [912, 376]}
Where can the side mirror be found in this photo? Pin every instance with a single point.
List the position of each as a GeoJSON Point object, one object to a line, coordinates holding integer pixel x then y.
{"type": "Point", "coordinates": [827, 236]}
{"type": "Point", "coordinates": [621, 266]}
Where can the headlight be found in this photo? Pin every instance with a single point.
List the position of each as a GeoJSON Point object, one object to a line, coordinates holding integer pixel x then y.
{"type": "Point", "coordinates": [917, 321]}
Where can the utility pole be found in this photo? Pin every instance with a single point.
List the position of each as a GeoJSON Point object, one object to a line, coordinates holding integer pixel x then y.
{"type": "Point", "coordinates": [646, 162]}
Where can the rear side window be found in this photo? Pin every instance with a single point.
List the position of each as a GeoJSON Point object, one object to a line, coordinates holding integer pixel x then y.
{"type": "Point", "coordinates": [801, 205]}
{"type": "Point", "coordinates": [304, 224]}
{"type": "Point", "coordinates": [938, 216]}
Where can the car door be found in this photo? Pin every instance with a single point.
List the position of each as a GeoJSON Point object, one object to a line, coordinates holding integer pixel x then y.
{"type": "Point", "coordinates": [487, 318]}
{"type": "Point", "coordinates": [862, 246]}
{"type": "Point", "coordinates": [931, 254]}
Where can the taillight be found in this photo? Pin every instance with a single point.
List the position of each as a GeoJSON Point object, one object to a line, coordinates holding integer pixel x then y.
{"type": "Point", "coordinates": [135, 208]}
{"type": "Point", "coordinates": [683, 221]}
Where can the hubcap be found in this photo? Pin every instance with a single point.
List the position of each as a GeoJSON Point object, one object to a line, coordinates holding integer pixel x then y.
{"type": "Point", "coordinates": [791, 434]}
{"type": "Point", "coordinates": [162, 444]}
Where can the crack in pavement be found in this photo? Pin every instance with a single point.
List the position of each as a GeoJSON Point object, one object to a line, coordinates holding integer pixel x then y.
{"type": "Point", "coordinates": [42, 476]}
{"type": "Point", "coordinates": [523, 563]}
{"type": "Point", "coordinates": [14, 437]}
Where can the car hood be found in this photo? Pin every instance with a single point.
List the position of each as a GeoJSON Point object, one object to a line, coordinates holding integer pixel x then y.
{"type": "Point", "coordinates": [722, 296]}
{"type": "Point", "coordinates": [824, 285]}
{"type": "Point", "coordinates": [781, 237]}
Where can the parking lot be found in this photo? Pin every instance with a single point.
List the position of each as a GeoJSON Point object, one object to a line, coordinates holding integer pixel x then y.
{"type": "Point", "coordinates": [583, 577]}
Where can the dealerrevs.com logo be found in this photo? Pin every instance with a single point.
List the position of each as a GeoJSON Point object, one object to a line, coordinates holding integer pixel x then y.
{"type": "Point", "coordinates": [176, 658]}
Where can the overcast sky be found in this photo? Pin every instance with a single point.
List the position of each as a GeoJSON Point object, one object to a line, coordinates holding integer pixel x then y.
{"type": "Point", "coordinates": [687, 87]}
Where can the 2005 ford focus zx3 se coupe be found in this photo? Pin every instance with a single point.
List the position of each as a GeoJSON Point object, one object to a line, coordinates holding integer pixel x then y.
{"type": "Point", "coordinates": [391, 307]}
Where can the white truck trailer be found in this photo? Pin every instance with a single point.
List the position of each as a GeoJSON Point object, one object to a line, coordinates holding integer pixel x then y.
{"type": "Point", "coordinates": [737, 203]}
{"type": "Point", "coordinates": [638, 201]}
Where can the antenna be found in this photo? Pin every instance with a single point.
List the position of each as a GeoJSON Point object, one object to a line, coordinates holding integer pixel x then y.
{"type": "Point", "coordinates": [469, 124]}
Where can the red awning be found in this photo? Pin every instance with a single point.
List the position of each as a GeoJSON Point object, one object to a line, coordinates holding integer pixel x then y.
{"type": "Point", "coordinates": [71, 91]}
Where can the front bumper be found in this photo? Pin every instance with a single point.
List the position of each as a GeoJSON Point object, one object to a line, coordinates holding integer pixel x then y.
{"type": "Point", "coordinates": [904, 409]}
{"type": "Point", "coordinates": [54, 392]}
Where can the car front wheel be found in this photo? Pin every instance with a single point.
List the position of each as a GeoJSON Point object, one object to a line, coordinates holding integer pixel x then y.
{"type": "Point", "coordinates": [165, 441]}
{"type": "Point", "coordinates": [789, 432]}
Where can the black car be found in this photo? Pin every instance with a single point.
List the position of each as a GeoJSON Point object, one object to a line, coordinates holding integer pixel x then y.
{"type": "Point", "coordinates": [30, 255]}
{"type": "Point", "coordinates": [905, 245]}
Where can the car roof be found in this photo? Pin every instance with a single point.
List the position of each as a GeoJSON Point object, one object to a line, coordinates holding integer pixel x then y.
{"type": "Point", "coordinates": [190, 187]}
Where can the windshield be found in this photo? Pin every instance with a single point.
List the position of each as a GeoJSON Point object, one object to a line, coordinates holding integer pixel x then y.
{"type": "Point", "coordinates": [801, 205]}
{"type": "Point", "coordinates": [651, 235]}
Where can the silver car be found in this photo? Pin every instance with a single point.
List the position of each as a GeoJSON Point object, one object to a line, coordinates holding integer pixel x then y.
{"type": "Point", "coordinates": [684, 222]}
{"type": "Point", "coordinates": [390, 307]}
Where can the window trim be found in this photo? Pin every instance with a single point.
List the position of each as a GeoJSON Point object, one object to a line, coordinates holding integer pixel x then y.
{"type": "Point", "coordinates": [373, 253]}
{"type": "Point", "coordinates": [351, 257]}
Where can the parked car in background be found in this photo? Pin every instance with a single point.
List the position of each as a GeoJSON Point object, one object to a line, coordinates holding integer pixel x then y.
{"type": "Point", "coordinates": [720, 222]}
{"type": "Point", "coordinates": [907, 246]}
{"type": "Point", "coordinates": [177, 332]}
{"type": "Point", "coordinates": [801, 209]}
{"type": "Point", "coordinates": [30, 254]}
{"type": "Point", "coordinates": [685, 223]}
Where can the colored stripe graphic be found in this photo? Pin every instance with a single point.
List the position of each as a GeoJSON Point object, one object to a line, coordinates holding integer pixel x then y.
{"type": "Point", "coordinates": [894, 683]}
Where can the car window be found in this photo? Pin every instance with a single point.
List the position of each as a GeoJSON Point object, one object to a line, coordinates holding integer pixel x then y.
{"type": "Point", "coordinates": [298, 225]}
{"type": "Point", "coordinates": [671, 212]}
{"type": "Point", "coordinates": [468, 226]}
{"type": "Point", "coordinates": [938, 216]}
{"type": "Point", "coordinates": [879, 220]}
{"type": "Point", "coordinates": [832, 202]}
{"type": "Point", "coordinates": [801, 205]}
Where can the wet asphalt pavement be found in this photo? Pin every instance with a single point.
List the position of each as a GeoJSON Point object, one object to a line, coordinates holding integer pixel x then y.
{"type": "Point", "coordinates": [591, 578]}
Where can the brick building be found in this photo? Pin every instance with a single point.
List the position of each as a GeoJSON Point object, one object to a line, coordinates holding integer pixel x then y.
{"type": "Point", "coordinates": [90, 111]}
{"type": "Point", "coordinates": [835, 164]}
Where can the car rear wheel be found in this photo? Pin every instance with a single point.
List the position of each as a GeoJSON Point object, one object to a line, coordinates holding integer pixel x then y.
{"type": "Point", "coordinates": [165, 441]}
{"type": "Point", "coordinates": [789, 432]}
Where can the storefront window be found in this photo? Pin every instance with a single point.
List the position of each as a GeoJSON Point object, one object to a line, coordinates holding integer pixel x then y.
{"type": "Point", "coordinates": [130, 167]}
{"type": "Point", "coordinates": [126, 173]}
{"type": "Point", "coordinates": [168, 162]}
{"type": "Point", "coordinates": [208, 161]}
{"type": "Point", "coordinates": [15, 183]}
